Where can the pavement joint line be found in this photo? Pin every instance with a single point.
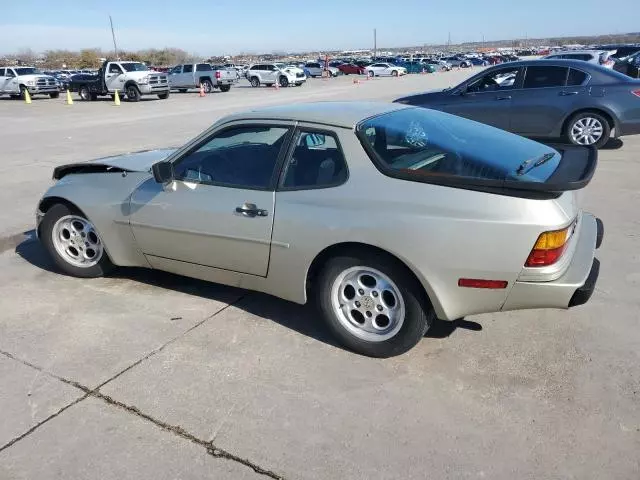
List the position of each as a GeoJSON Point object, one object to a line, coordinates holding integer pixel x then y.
{"type": "Point", "coordinates": [166, 344]}
{"type": "Point", "coordinates": [210, 447]}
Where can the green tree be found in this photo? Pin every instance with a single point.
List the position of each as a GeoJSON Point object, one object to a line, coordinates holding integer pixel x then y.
{"type": "Point", "coordinates": [89, 58]}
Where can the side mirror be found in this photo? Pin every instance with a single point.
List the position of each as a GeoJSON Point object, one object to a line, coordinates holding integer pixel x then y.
{"type": "Point", "coordinates": [162, 172]}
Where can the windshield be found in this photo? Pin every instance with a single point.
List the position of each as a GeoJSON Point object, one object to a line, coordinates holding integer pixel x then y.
{"type": "Point", "coordinates": [134, 67]}
{"type": "Point", "coordinates": [426, 143]}
{"type": "Point", "coordinates": [27, 71]}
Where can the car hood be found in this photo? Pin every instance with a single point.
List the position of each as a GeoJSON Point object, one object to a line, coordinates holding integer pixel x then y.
{"type": "Point", "coordinates": [35, 76]}
{"type": "Point", "coordinates": [129, 162]}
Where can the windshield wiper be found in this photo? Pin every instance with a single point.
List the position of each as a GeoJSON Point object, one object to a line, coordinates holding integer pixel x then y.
{"type": "Point", "coordinates": [522, 169]}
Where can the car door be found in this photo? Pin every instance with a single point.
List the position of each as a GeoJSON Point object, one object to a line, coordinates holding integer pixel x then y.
{"type": "Point", "coordinates": [3, 80]}
{"type": "Point", "coordinates": [186, 77]}
{"type": "Point", "coordinates": [11, 84]}
{"type": "Point", "coordinates": [114, 77]}
{"type": "Point", "coordinates": [174, 76]}
{"type": "Point", "coordinates": [218, 210]}
{"type": "Point", "coordinates": [487, 98]}
{"type": "Point", "coordinates": [548, 93]}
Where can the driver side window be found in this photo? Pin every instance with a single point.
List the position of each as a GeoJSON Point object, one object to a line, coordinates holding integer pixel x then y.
{"type": "Point", "coordinates": [241, 157]}
{"type": "Point", "coordinates": [114, 68]}
{"type": "Point", "coordinates": [502, 79]}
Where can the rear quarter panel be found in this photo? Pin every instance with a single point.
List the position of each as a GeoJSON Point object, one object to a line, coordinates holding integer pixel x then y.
{"type": "Point", "coordinates": [441, 233]}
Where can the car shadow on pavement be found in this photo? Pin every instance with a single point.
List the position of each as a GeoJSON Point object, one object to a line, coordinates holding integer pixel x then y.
{"type": "Point", "coordinates": [300, 318]}
{"type": "Point", "coordinates": [613, 144]}
{"type": "Point", "coordinates": [444, 328]}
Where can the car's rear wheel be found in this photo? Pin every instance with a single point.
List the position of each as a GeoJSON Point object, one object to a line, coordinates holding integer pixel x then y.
{"type": "Point", "coordinates": [225, 88]}
{"type": "Point", "coordinates": [163, 96]}
{"type": "Point", "coordinates": [54, 95]}
{"type": "Point", "coordinates": [84, 93]}
{"type": "Point", "coordinates": [588, 128]}
{"type": "Point", "coordinates": [372, 303]}
{"type": "Point", "coordinates": [73, 243]}
{"type": "Point", "coordinates": [206, 85]}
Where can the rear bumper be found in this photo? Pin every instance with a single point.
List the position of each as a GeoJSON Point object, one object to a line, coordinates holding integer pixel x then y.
{"type": "Point", "coordinates": [575, 286]}
{"type": "Point", "coordinates": [628, 128]}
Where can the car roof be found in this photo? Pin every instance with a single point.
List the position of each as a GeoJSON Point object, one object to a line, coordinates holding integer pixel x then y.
{"type": "Point", "coordinates": [558, 62]}
{"type": "Point", "coordinates": [578, 52]}
{"type": "Point", "coordinates": [339, 114]}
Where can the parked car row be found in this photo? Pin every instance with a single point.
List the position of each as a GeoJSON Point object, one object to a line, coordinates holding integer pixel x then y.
{"type": "Point", "coordinates": [581, 102]}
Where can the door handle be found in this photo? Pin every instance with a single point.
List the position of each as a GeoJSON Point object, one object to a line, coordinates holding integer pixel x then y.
{"type": "Point", "coordinates": [566, 94]}
{"type": "Point", "coordinates": [250, 210]}
{"type": "Point", "coordinates": [506, 97]}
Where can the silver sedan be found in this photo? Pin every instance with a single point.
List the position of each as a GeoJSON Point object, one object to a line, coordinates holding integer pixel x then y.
{"type": "Point", "coordinates": [386, 216]}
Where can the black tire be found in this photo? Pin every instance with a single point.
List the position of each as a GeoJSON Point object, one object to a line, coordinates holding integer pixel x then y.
{"type": "Point", "coordinates": [182, 90]}
{"type": "Point", "coordinates": [54, 95]}
{"type": "Point", "coordinates": [208, 87]}
{"type": "Point", "coordinates": [94, 97]}
{"type": "Point", "coordinates": [23, 91]}
{"type": "Point", "coordinates": [56, 212]}
{"type": "Point", "coordinates": [225, 88]}
{"type": "Point", "coordinates": [419, 315]}
{"type": "Point", "coordinates": [394, 73]}
{"type": "Point", "coordinates": [84, 93]}
{"type": "Point", "coordinates": [284, 81]}
{"type": "Point", "coordinates": [132, 92]}
{"type": "Point", "coordinates": [255, 82]}
{"type": "Point", "coordinates": [371, 73]}
{"type": "Point", "coordinates": [606, 128]}
{"type": "Point", "coordinates": [14, 96]}
{"type": "Point", "coordinates": [163, 96]}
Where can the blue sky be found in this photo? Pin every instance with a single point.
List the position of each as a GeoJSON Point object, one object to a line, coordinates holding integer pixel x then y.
{"type": "Point", "coordinates": [233, 26]}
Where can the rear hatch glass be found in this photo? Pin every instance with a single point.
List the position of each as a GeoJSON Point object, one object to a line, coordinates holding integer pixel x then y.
{"type": "Point", "coordinates": [425, 145]}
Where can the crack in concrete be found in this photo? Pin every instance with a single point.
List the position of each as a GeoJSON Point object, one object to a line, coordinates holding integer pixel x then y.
{"type": "Point", "coordinates": [210, 447]}
{"type": "Point", "coordinates": [173, 340]}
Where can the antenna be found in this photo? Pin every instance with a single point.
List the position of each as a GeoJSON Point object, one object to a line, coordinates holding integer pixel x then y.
{"type": "Point", "coordinates": [113, 35]}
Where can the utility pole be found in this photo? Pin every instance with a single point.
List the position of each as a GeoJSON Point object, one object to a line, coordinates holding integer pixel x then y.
{"type": "Point", "coordinates": [375, 44]}
{"type": "Point", "coordinates": [113, 35]}
{"type": "Point", "coordinates": [449, 42]}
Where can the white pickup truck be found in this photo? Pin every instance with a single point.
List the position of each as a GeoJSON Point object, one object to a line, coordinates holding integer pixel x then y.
{"type": "Point", "coordinates": [133, 79]}
{"type": "Point", "coordinates": [192, 75]}
{"type": "Point", "coordinates": [16, 80]}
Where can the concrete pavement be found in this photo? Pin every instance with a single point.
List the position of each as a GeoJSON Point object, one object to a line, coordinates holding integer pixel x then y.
{"type": "Point", "coordinates": [150, 375]}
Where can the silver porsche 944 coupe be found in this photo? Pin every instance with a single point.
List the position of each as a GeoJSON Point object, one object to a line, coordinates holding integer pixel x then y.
{"type": "Point", "coordinates": [386, 216]}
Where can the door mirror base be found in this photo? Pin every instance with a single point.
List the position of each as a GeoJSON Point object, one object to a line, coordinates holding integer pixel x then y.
{"type": "Point", "coordinates": [162, 172]}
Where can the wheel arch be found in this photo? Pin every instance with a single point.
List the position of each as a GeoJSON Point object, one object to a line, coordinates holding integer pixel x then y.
{"type": "Point", "coordinates": [353, 247]}
{"type": "Point", "coordinates": [608, 116]}
{"type": "Point", "coordinates": [48, 202]}
{"type": "Point", "coordinates": [128, 83]}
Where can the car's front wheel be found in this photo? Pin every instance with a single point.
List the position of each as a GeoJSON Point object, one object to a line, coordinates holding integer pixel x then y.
{"type": "Point", "coordinates": [588, 128]}
{"type": "Point", "coordinates": [373, 304]}
{"type": "Point", "coordinates": [73, 243]}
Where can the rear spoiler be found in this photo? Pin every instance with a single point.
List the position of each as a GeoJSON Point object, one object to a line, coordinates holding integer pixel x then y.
{"type": "Point", "coordinates": [575, 170]}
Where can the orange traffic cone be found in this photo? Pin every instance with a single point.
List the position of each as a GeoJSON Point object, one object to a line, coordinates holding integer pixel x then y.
{"type": "Point", "coordinates": [202, 94]}
{"type": "Point", "coordinates": [276, 86]}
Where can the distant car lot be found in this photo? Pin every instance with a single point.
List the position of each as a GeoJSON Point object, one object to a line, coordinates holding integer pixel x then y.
{"type": "Point", "coordinates": [195, 377]}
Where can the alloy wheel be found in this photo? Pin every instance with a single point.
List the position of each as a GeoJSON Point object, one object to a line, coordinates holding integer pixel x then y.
{"type": "Point", "coordinates": [76, 241]}
{"type": "Point", "coordinates": [368, 303]}
{"type": "Point", "coordinates": [586, 131]}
